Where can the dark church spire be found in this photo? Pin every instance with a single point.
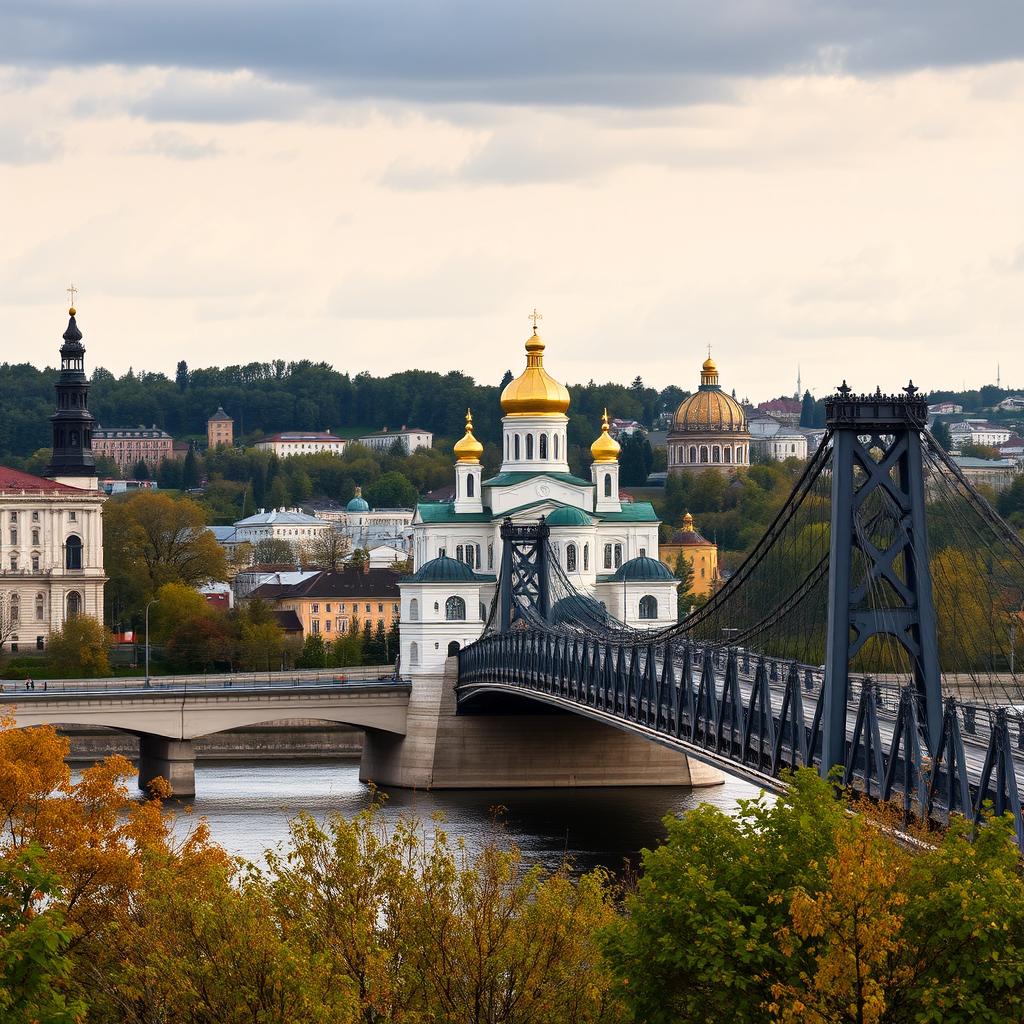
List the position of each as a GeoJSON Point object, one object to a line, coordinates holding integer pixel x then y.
{"type": "Point", "coordinates": [72, 460]}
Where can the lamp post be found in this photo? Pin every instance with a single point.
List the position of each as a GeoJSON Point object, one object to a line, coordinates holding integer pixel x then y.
{"type": "Point", "coordinates": [154, 601]}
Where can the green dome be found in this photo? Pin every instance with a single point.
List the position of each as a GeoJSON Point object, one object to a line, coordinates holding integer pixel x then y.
{"type": "Point", "coordinates": [442, 570]}
{"type": "Point", "coordinates": [568, 515]}
{"type": "Point", "coordinates": [358, 504]}
{"type": "Point", "coordinates": [643, 569]}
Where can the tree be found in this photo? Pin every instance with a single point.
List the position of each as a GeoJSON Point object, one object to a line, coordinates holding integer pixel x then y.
{"type": "Point", "coordinates": [273, 551]}
{"type": "Point", "coordinates": [683, 571]}
{"type": "Point", "coordinates": [181, 376]}
{"type": "Point", "coordinates": [151, 539]}
{"type": "Point", "coordinates": [140, 471]}
{"type": "Point", "coordinates": [262, 646]}
{"type": "Point", "coordinates": [940, 431]}
{"type": "Point", "coordinates": [360, 558]}
{"type": "Point", "coordinates": [979, 451]}
{"type": "Point", "coordinates": [807, 410]}
{"type": "Point", "coordinates": [377, 649]}
{"type": "Point", "coordinates": [8, 623]}
{"type": "Point", "coordinates": [190, 470]}
{"type": "Point", "coordinates": [328, 549]}
{"type": "Point", "coordinates": [314, 652]}
{"type": "Point", "coordinates": [175, 604]}
{"type": "Point", "coordinates": [635, 460]}
{"type": "Point", "coordinates": [200, 643]}
{"type": "Point", "coordinates": [348, 647]}
{"type": "Point", "coordinates": [80, 648]}
{"type": "Point", "coordinates": [392, 490]}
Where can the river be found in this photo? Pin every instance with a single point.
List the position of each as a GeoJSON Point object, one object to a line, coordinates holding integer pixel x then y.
{"type": "Point", "coordinates": [248, 805]}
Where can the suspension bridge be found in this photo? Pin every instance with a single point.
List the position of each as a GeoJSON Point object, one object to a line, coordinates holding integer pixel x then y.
{"type": "Point", "coordinates": [875, 631]}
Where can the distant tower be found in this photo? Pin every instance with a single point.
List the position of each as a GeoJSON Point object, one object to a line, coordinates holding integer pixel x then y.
{"type": "Point", "coordinates": [999, 381]}
{"type": "Point", "coordinates": [72, 462]}
{"type": "Point", "coordinates": [799, 385]}
{"type": "Point", "coordinates": [220, 429]}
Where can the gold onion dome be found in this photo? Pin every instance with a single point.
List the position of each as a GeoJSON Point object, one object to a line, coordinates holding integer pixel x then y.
{"type": "Point", "coordinates": [710, 409]}
{"type": "Point", "coordinates": [534, 392]}
{"type": "Point", "coordinates": [469, 449]}
{"type": "Point", "coordinates": [605, 448]}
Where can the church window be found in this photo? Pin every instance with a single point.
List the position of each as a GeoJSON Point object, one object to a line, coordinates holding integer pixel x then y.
{"type": "Point", "coordinates": [517, 448]}
{"type": "Point", "coordinates": [470, 559]}
{"type": "Point", "coordinates": [586, 557]}
{"type": "Point", "coordinates": [556, 445]}
{"type": "Point", "coordinates": [728, 453]}
{"type": "Point", "coordinates": [648, 607]}
{"type": "Point", "coordinates": [483, 612]}
{"type": "Point", "coordinates": [703, 453]}
{"type": "Point", "coordinates": [414, 653]}
{"type": "Point", "coordinates": [490, 556]}
{"type": "Point", "coordinates": [470, 483]}
{"type": "Point", "coordinates": [643, 552]}
{"type": "Point", "coordinates": [455, 609]}
{"type": "Point", "coordinates": [460, 554]}
{"type": "Point", "coordinates": [74, 604]}
{"type": "Point", "coordinates": [479, 563]}
{"type": "Point", "coordinates": [529, 446]}
{"type": "Point", "coordinates": [716, 454]}
{"type": "Point", "coordinates": [73, 553]}
{"type": "Point", "coordinates": [618, 555]}
{"type": "Point", "coordinates": [570, 557]}
{"type": "Point", "coordinates": [693, 453]}
{"type": "Point", "coordinates": [607, 556]}
{"type": "Point", "coordinates": [543, 451]}
{"type": "Point", "coordinates": [607, 485]}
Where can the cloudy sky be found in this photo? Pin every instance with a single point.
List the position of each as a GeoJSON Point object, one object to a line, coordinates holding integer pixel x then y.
{"type": "Point", "coordinates": [394, 183]}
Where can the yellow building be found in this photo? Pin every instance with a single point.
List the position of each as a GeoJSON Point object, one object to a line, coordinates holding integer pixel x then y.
{"type": "Point", "coordinates": [327, 604]}
{"type": "Point", "coordinates": [220, 429]}
{"type": "Point", "coordinates": [701, 553]}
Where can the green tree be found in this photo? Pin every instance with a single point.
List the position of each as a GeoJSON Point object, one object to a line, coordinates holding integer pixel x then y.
{"type": "Point", "coordinates": [181, 376]}
{"type": "Point", "coordinates": [392, 490]}
{"type": "Point", "coordinates": [140, 471]}
{"type": "Point", "coordinates": [200, 644]}
{"type": "Point", "coordinates": [348, 647]}
{"type": "Point", "coordinates": [273, 551]}
{"type": "Point", "coordinates": [175, 604]}
{"type": "Point", "coordinates": [262, 646]}
{"type": "Point", "coordinates": [314, 652]}
{"type": "Point", "coordinates": [940, 431]}
{"type": "Point", "coordinates": [190, 470]}
{"type": "Point", "coordinates": [807, 410]}
{"type": "Point", "coordinates": [683, 571]}
{"type": "Point", "coordinates": [377, 649]}
{"type": "Point", "coordinates": [80, 648]}
{"type": "Point", "coordinates": [635, 460]}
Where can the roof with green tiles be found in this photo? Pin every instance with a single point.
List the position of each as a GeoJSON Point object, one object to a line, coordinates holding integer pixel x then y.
{"type": "Point", "coordinates": [444, 512]}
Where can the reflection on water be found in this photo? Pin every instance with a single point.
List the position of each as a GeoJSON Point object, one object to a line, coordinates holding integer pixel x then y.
{"type": "Point", "coordinates": [248, 805]}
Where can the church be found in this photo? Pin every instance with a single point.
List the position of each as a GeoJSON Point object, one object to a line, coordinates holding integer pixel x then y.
{"type": "Point", "coordinates": [606, 547]}
{"type": "Point", "coordinates": [51, 545]}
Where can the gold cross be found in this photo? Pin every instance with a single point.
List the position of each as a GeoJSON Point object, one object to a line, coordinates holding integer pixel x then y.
{"type": "Point", "coordinates": [71, 292]}
{"type": "Point", "coordinates": [709, 351]}
{"type": "Point", "coordinates": [535, 316]}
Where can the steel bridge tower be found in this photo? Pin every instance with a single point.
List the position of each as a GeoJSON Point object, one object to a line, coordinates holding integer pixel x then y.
{"type": "Point", "coordinates": [878, 591]}
{"type": "Point", "coordinates": [524, 571]}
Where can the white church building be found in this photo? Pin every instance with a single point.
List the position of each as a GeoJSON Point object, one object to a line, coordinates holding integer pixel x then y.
{"type": "Point", "coordinates": [607, 548]}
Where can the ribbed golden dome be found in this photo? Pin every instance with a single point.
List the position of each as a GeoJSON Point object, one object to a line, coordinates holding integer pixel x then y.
{"type": "Point", "coordinates": [605, 448]}
{"type": "Point", "coordinates": [710, 410]}
{"type": "Point", "coordinates": [469, 449]}
{"type": "Point", "coordinates": [534, 392]}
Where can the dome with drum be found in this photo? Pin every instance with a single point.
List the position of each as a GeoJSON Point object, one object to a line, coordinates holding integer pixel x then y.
{"type": "Point", "coordinates": [709, 429]}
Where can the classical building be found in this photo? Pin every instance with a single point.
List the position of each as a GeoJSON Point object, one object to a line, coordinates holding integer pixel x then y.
{"type": "Point", "coordinates": [330, 603]}
{"type": "Point", "coordinates": [784, 443]}
{"type": "Point", "coordinates": [978, 432]}
{"type": "Point", "coordinates": [127, 446]}
{"type": "Point", "coordinates": [709, 429]}
{"type": "Point", "coordinates": [289, 524]}
{"type": "Point", "coordinates": [51, 544]}
{"type": "Point", "coordinates": [367, 527]}
{"type": "Point", "coordinates": [220, 429]}
{"type": "Point", "coordinates": [298, 442]}
{"type": "Point", "coordinates": [606, 548]}
{"type": "Point", "coordinates": [995, 473]}
{"type": "Point", "coordinates": [411, 438]}
{"type": "Point", "coordinates": [701, 553]}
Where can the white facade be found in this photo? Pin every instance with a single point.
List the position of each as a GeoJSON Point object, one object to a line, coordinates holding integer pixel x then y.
{"type": "Point", "coordinates": [781, 445]}
{"type": "Point", "coordinates": [299, 443]}
{"type": "Point", "coordinates": [979, 432]}
{"type": "Point", "coordinates": [51, 557]}
{"type": "Point", "coordinates": [411, 438]}
{"type": "Point", "coordinates": [290, 524]}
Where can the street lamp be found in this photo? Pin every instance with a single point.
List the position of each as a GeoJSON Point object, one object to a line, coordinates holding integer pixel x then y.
{"type": "Point", "coordinates": [154, 601]}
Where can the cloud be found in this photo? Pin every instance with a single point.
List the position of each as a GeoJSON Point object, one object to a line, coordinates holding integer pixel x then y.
{"type": "Point", "coordinates": [648, 52]}
{"type": "Point", "coordinates": [177, 146]}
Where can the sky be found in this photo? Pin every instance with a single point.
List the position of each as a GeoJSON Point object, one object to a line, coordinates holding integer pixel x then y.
{"type": "Point", "coordinates": [834, 185]}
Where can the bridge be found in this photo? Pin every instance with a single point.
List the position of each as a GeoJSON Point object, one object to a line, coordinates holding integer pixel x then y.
{"type": "Point", "coordinates": [873, 633]}
{"type": "Point", "coordinates": [168, 715]}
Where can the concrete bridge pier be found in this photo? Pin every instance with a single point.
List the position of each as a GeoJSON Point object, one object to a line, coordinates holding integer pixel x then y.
{"type": "Point", "coordinates": [173, 760]}
{"type": "Point", "coordinates": [445, 750]}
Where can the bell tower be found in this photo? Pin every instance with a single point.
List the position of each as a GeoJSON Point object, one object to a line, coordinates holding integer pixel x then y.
{"type": "Point", "coordinates": [72, 462]}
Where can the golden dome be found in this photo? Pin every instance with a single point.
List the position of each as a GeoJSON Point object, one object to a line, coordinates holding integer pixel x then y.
{"type": "Point", "coordinates": [534, 392]}
{"type": "Point", "coordinates": [469, 449]}
{"type": "Point", "coordinates": [605, 448]}
{"type": "Point", "coordinates": [710, 409]}
{"type": "Point", "coordinates": [688, 523]}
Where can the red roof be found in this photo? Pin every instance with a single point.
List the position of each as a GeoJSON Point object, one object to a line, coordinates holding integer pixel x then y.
{"type": "Point", "coordinates": [16, 480]}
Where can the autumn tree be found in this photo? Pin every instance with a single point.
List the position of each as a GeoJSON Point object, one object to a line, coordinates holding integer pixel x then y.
{"type": "Point", "coordinates": [273, 551]}
{"type": "Point", "coordinates": [328, 550]}
{"type": "Point", "coordinates": [80, 648]}
{"type": "Point", "coordinates": [175, 605]}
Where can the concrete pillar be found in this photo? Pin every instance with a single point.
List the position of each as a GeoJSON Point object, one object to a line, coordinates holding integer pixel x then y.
{"type": "Point", "coordinates": [443, 750]}
{"type": "Point", "coordinates": [173, 760]}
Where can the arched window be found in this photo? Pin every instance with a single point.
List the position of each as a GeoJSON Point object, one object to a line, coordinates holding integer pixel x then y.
{"type": "Point", "coordinates": [516, 446]}
{"type": "Point", "coordinates": [470, 560]}
{"type": "Point", "coordinates": [74, 604]}
{"type": "Point", "coordinates": [648, 607]}
{"type": "Point", "coordinates": [529, 446]}
{"type": "Point", "coordinates": [490, 556]}
{"type": "Point", "coordinates": [40, 607]}
{"type": "Point", "coordinates": [460, 554]}
{"type": "Point", "coordinates": [414, 653]}
{"type": "Point", "coordinates": [15, 607]}
{"type": "Point", "coordinates": [470, 484]}
{"type": "Point", "coordinates": [586, 557]}
{"type": "Point", "coordinates": [455, 609]}
{"type": "Point", "coordinates": [618, 555]}
{"type": "Point", "coordinates": [556, 446]}
{"type": "Point", "coordinates": [414, 610]}
{"type": "Point", "coordinates": [543, 450]}
{"type": "Point", "coordinates": [716, 454]}
{"type": "Point", "coordinates": [73, 553]}
{"type": "Point", "coordinates": [703, 453]}
{"type": "Point", "coordinates": [479, 563]}
{"type": "Point", "coordinates": [693, 453]}
{"type": "Point", "coordinates": [570, 557]}
{"type": "Point", "coordinates": [483, 612]}
{"type": "Point", "coordinates": [728, 453]}
{"type": "Point", "coordinates": [607, 485]}
{"type": "Point", "coordinates": [453, 648]}
{"type": "Point", "coordinates": [607, 556]}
